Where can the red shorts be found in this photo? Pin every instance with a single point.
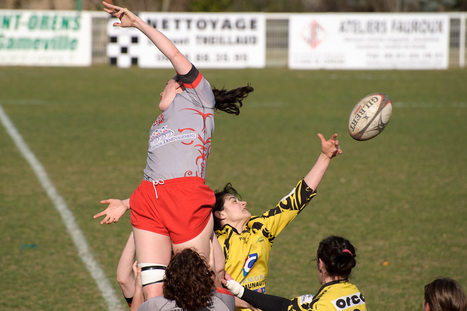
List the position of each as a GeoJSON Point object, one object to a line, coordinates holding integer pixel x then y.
{"type": "Point", "coordinates": [179, 208]}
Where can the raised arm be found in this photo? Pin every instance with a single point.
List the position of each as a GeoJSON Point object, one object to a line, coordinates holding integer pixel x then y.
{"type": "Point", "coordinates": [329, 149]}
{"type": "Point", "coordinates": [127, 19]}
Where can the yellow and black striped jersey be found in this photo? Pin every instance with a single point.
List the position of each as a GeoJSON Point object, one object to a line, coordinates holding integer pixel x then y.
{"type": "Point", "coordinates": [247, 253]}
{"type": "Point", "coordinates": [336, 295]}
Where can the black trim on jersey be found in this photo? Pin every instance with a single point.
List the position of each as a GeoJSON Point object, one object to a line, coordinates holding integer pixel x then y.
{"type": "Point", "coordinates": [227, 240]}
{"type": "Point", "coordinates": [190, 76]}
{"type": "Point", "coordinates": [323, 290]}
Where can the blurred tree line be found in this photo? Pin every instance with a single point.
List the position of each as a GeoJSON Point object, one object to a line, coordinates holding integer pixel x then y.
{"type": "Point", "coordinates": [248, 5]}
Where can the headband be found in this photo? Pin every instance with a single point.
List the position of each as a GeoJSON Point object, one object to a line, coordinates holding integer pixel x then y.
{"type": "Point", "coordinates": [347, 251]}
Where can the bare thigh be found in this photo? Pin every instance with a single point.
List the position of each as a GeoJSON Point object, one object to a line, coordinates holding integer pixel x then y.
{"type": "Point", "coordinates": [218, 257]}
{"type": "Point", "coordinates": [152, 248]}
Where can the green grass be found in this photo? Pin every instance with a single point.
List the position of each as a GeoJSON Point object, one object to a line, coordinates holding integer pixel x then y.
{"type": "Point", "coordinates": [400, 197]}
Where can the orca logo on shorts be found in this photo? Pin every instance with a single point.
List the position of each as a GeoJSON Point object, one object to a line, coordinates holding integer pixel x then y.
{"type": "Point", "coordinates": [249, 262]}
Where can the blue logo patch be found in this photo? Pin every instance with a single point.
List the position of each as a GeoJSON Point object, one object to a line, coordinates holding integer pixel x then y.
{"type": "Point", "coordinates": [249, 262]}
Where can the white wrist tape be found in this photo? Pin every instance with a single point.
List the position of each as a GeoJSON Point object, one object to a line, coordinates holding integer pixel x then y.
{"type": "Point", "coordinates": [152, 273]}
{"type": "Point", "coordinates": [235, 288]}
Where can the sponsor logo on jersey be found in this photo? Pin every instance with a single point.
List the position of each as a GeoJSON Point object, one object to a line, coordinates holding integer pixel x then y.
{"type": "Point", "coordinates": [159, 120]}
{"type": "Point", "coordinates": [305, 299]}
{"type": "Point", "coordinates": [255, 282]}
{"type": "Point", "coordinates": [164, 135]}
{"type": "Point", "coordinates": [349, 301]}
{"type": "Point", "coordinates": [249, 262]}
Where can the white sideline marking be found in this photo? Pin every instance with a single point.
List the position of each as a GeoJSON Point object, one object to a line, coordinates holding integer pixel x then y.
{"type": "Point", "coordinates": [81, 244]}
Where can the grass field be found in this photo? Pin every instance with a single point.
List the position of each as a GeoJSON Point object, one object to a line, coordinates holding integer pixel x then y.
{"type": "Point", "coordinates": [400, 198]}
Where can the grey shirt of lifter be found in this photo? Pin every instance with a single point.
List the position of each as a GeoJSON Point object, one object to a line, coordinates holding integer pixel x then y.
{"type": "Point", "coordinates": [220, 302]}
{"type": "Point", "coordinates": [180, 138]}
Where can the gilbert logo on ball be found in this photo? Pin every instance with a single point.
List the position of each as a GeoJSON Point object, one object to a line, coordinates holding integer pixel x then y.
{"type": "Point", "coordinates": [370, 116]}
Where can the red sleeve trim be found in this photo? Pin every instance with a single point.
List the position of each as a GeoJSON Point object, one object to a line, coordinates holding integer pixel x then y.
{"type": "Point", "coordinates": [224, 291]}
{"type": "Point", "coordinates": [195, 83]}
{"type": "Point", "coordinates": [192, 78]}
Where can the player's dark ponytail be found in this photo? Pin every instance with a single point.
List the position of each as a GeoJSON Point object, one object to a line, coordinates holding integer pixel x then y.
{"type": "Point", "coordinates": [338, 256]}
{"type": "Point", "coordinates": [230, 101]}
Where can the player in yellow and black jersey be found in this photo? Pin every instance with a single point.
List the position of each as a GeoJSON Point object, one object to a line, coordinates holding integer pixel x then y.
{"type": "Point", "coordinates": [336, 259]}
{"type": "Point", "coordinates": [246, 241]}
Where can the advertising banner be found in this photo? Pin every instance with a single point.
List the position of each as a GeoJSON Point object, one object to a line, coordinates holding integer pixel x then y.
{"type": "Point", "coordinates": [45, 38]}
{"type": "Point", "coordinates": [208, 40]}
{"type": "Point", "coordinates": [369, 41]}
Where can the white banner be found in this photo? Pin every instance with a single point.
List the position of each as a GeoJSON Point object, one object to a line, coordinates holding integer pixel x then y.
{"type": "Point", "coordinates": [369, 41]}
{"type": "Point", "coordinates": [45, 38]}
{"type": "Point", "coordinates": [224, 40]}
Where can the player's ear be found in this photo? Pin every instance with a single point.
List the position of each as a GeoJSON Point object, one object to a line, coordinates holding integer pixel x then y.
{"type": "Point", "coordinates": [321, 266]}
{"type": "Point", "coordinates": [219, 215]}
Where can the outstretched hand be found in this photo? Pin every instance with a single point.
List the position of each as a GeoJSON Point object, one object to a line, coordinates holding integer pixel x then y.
{"type": "Point", "coordinates": [330, 147]}
{"type": "Point", "coordinates": [127, 18]}
{"type": "Point", "coordinates": [113, 212]}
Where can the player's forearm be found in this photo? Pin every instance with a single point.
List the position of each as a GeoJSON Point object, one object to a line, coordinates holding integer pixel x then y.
{"type": "Point", "coordinates": [264, 301]}
{"type": "Point", "coordinates": [138, 299]}
{"type": "Point", "coordinates": [316, 174]}
{"type": "Point", "coordinates": [178, 60]}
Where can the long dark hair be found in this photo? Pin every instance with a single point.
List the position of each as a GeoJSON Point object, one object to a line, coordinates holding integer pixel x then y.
{"type": "Point", "coordinates": [230, 101]}
{"type": "Point", "coordinates": [445, 294]}
{"type": "Point", "coordinates": [188, 280]}
{"type": "Point", "coordinates": [338, 256]}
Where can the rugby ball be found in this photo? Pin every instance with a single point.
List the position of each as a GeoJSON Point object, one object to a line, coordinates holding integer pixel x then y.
{"type": "Point", "coordinates": [370, 116]}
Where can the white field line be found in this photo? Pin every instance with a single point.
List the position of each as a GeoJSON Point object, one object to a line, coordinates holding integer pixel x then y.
{"type": "Point", "coordinates": [77, 235]}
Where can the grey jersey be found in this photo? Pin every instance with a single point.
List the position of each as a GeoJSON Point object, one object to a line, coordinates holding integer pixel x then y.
{"type": "Point", "coordinates": [180, 138]}
{"type": "Point", "coordinates": [220, 302]}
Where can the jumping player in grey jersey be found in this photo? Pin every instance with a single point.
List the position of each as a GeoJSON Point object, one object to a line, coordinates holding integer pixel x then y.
{"type": "Point", "coordinates": [171, 208]}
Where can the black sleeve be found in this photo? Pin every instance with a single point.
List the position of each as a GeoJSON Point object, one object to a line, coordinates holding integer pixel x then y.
{"type": "Point", "coordinates": [264, 301]}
